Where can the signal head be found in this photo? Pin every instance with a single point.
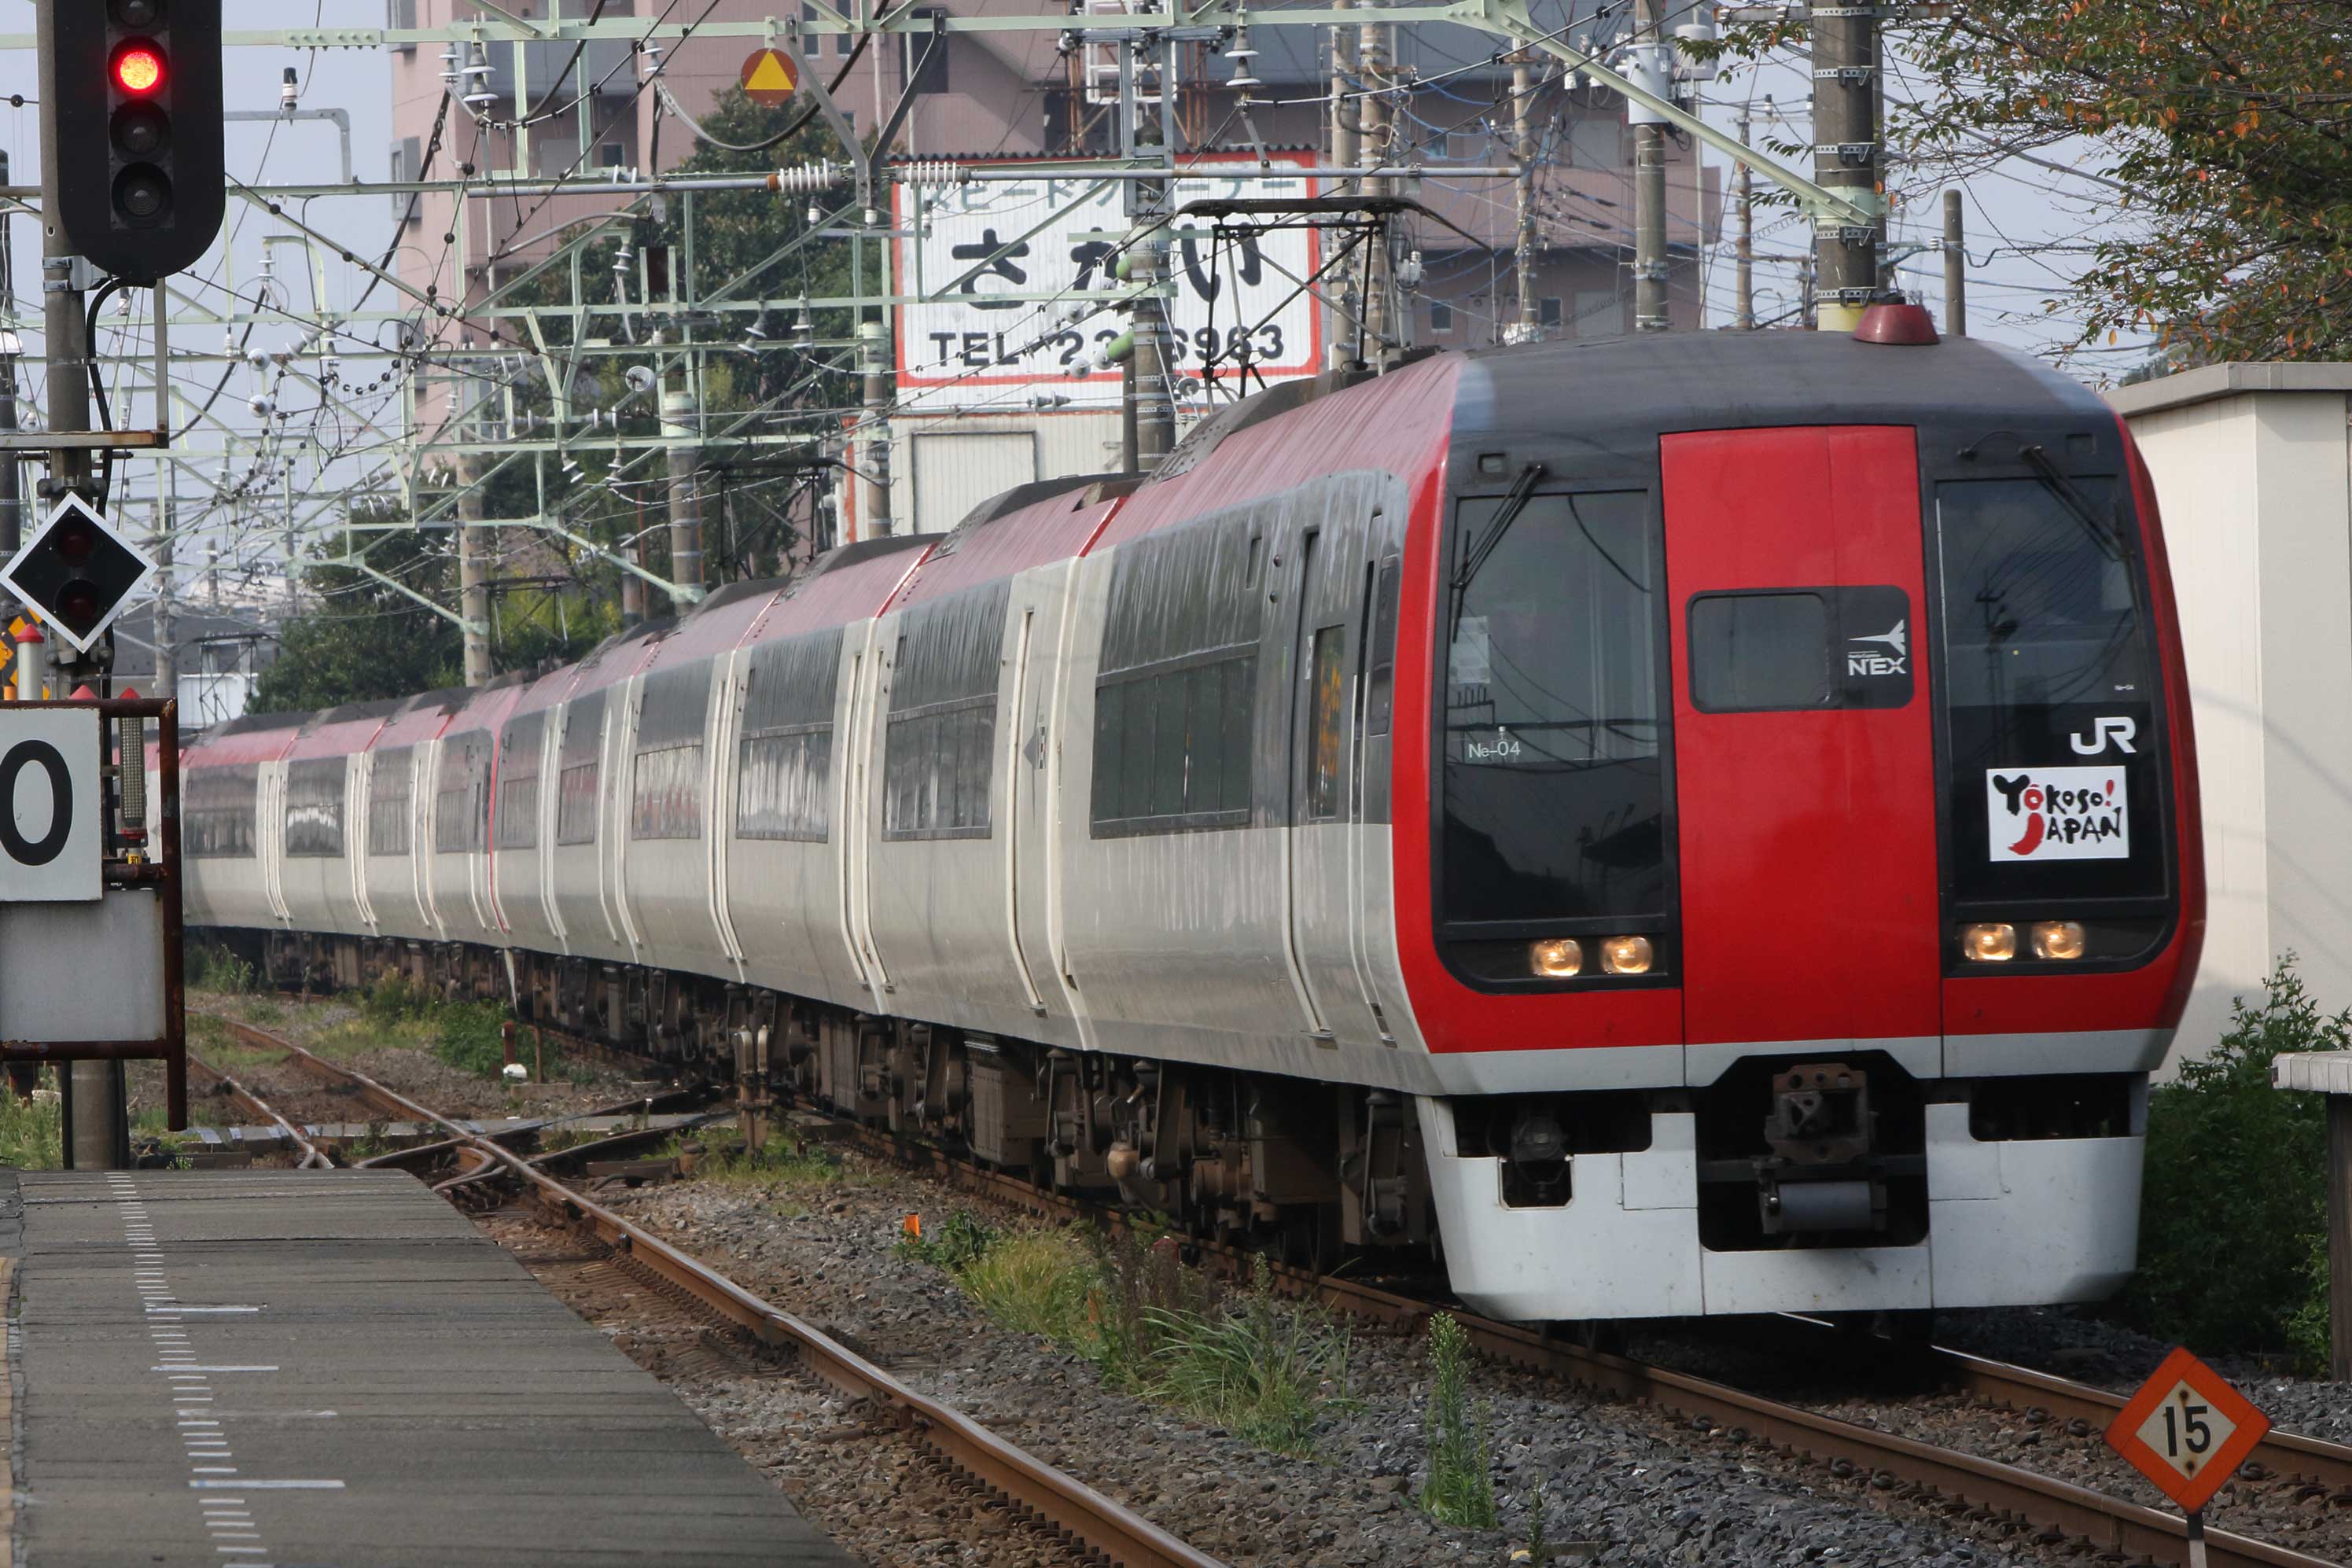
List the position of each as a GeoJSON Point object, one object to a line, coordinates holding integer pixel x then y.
{"type": "Point", "coordinates": [140, 69]}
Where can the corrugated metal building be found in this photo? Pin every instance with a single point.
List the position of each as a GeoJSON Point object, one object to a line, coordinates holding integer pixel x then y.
{"type": "Point", "coordinates": [2252, 466]}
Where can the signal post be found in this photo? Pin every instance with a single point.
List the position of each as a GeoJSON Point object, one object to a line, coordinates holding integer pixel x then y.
{"type": "Point", "coordinates": [133, 188]}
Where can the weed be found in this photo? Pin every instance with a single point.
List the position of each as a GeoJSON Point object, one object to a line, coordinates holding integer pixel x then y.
{"type": "Point", "coordinates": [209, 966]}
{"type": "Point", "coordinates": [1461, 1488]}
{"type": "Point", "coordinates": [1539, 1547]}
{"type": "Point", "coordinates": [954, 1244]}
{"type": "Point", "coordinates": [469, 1036]}
{"type": "Point", "coordinates": [1265, 1371]}
{"type": "Point", "coordinates": [2235, 1200]}
{"type": "Point", "coordinates": [31, 1136]}
{"type": "Point", "coordinates": [784, 1163]}
{"type": "Point", "coordinates": [1035, 1282]}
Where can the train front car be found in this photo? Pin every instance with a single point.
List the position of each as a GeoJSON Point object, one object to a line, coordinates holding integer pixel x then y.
{"type": "Point", "coordinates": [1808, 877]}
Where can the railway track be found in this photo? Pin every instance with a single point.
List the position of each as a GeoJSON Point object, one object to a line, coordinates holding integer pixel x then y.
{"type": "Point", "coordinates": [2058, 1510]}
{"type": "Point", "coordinates": [2114, 1527]}
{"type": "Point", "coordinates": [1046, 1496]}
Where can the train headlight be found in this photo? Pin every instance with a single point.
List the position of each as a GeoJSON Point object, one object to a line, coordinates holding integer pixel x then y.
{"type": "Point", "coordinates": [1556, 958]}
{"type": "Point", "coordinates": [2058, 939]}
{"type": "Point", "coordinates": [1992, 942]}
{"type": "Point", "coordinates": [1627, 955]}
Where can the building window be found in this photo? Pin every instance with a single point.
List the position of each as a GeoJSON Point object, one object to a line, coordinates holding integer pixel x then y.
{"type": "Point", "coordinates": [218, 812]}
{"type": "Point", "coordinates": [613, 155]}
{"type": "Point", "coordinates": [391, 777]}
{"type": "Point", "coordinates": [1176, 705]}
{"type": "Point", "coordinates": [1441, 317]}
{"type": "Point", "coordinates": [314, 806]}
{"type": "Point", "coordinates": [1548, 312]}
{"type": "Point", "coordinates": [936, 767]}
{"type": "Point", "coordinates": [783, 787]}
{"type": "Point", "coordinates": [582, 751]}
{"type": "Point", "coordinates": [667, 801]}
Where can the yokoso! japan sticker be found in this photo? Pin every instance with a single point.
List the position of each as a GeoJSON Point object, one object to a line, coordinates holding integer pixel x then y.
{"type": "Point", "coordinates": [2057, 814]}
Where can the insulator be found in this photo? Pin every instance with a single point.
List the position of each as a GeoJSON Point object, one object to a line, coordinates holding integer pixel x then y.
{"type": "Point", "coordinates": [806, 178]}
{"type": "Point", "coordinates": [933, 172]}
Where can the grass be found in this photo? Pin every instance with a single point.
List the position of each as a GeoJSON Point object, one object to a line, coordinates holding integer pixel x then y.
{"type": "Point", "coordinates": [784, 1163]}
{"type": "Point", "coordinates": [1267, 1370]}
{"type": "Point", "coordinates": [1461, 1488]}
{"type": "Point", "coordinates": [32, 1137]}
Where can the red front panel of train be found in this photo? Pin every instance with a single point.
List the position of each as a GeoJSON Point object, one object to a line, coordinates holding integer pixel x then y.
{"type": "Point", "coordinates": [1805, 766]}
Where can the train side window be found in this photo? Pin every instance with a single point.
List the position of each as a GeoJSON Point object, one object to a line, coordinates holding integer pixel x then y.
{"type": "Point", "coordinates": [462, 795]}
{"type": "Point", "coordinates": [1763, 652]}
{"type": "Point", "coordinates": [1326, 722]}
{"type": "Point", "coordinates": [937, 770]}
{"type": "Point", "coordinates": [219, 811]}
{"type": "Point", "coordinates": [314, 806]}
{"type": "Point", "coordinates": [582, 759]}
{"type": "Point", "coordinates": [783, 787]}
{"type": "Point", "coordinates": [391, 777]}
{"type": "Point", "coordinates": [666, 797]}
{"type": "Point", "coordinates": [519, 758]}
{"type": "Point", "coordinates": [1176, 702]}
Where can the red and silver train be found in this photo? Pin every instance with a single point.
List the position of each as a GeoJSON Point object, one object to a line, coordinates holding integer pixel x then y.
{"type": "Point", "coordinates": [1689, 825]}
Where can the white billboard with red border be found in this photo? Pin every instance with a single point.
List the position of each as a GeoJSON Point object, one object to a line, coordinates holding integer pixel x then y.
{"type": "Point", "coordinates": [985, 343]}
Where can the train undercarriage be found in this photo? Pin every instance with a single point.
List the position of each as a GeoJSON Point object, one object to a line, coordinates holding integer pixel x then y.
{"type": "Point", "coordinates": [1306, 1169]}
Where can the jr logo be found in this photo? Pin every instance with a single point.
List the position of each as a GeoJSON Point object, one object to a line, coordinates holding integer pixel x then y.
{"type": "Point", "coordinates": [2119, 730]}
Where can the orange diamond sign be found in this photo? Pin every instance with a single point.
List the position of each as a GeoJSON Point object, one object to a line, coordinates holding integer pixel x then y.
{"type": "Point", "coordinates": [768, 78]}
{"type": "Point", "coordinates": [2187, 1430]}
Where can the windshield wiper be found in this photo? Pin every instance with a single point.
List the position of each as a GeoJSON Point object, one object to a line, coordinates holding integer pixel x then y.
{"type": "Point", "coordinates": [1522, 490]}
{"type": "Point", "coordinates": [2054, 480]}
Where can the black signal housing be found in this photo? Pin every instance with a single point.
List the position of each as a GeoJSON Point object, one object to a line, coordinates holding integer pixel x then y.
{"type": "Point", "coordinates": [131, 101]}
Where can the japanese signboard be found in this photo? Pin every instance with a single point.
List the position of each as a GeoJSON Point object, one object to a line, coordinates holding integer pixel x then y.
{"type": "Point", "coordinates": [998, 261]}
{"type": "Point", "coordinates": [2187, 1430]}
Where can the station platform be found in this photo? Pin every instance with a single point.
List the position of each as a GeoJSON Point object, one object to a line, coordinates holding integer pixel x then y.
{"type": "Point", "coordinates": [334, 1367]}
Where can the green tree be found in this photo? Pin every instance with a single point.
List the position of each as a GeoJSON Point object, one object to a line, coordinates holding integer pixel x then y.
{"type": "Point", "coordinates": [2224, 134]}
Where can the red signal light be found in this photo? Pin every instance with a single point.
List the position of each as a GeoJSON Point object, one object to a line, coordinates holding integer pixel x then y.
{"type": "Point", "coordinates": [139, 69]}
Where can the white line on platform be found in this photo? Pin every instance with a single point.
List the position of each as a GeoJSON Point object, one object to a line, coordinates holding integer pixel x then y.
{"type": "Point", "coordinates": [212, 1369]}
{"type": "Point", "coordinates": [216, 1470]}
{"type": "Point", "coordinates": [207, 1309]}
{"type": "Point", "coordinates": [277, 1486]}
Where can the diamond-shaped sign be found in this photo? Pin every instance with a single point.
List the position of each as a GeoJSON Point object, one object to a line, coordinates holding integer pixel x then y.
{"type": "Point", "coordinates": [2187, 1430]}
{"type": "Point", "coordinates": [77, 574]}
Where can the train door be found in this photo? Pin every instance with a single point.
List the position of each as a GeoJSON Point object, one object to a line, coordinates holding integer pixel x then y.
{"type": "Point", "coordinates": [355, 832]}
{"type": "Point", "coordinates": [1319, 855]}
{"type": "Point", "coordinates": [1804, 768]}
{"type": "Point", "coordinates": [271, 839]}
{"type": "Point", "coordinates": [1026, 828]}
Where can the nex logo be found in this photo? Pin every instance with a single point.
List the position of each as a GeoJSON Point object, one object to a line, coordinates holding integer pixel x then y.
{"type": "Point", "coordinates": [1878, 663]}
{"type": "Point", "coordinates": [2119, 730]}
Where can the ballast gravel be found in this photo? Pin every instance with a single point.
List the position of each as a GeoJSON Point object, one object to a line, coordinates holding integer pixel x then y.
{"type": "Point", "coordinates": [1619, 1484]}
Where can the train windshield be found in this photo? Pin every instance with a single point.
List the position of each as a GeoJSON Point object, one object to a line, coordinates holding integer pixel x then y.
{"type": "Point", "coordinates": [2049, 687]}
{"type": "Point", "coordinates": [1553, 793]}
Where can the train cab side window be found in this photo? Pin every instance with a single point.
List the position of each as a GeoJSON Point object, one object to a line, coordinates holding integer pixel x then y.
{"type": "Point", "coordinates": [581, 757]}
{"type": "Point", "coordinates": [1380, 686]}
{"type": "Point", "coordinates": [392, 778]}
{"type": "Point", "coordinates": [314, 806]}
{"type": "Point", "coordinates": [784, 777]}
{"type": "Point", "coordinates": [219, 811]}
{"type": "Point", "coordinates": [1756, 653]}
{"type": "Point", "coordinates": [1177, 700]}
{"type": "Point", "coordinates": [936, 767]}
{"type": "Point", "coordinates": [1327, 722]}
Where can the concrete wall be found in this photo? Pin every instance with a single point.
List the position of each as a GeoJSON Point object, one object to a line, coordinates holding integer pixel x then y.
{"type": "Point", "coordinates": [2254, 472]}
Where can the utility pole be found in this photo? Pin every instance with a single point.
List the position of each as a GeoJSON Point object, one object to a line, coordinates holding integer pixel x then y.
{"type": "Point", "coordinates": [683, 459]}
{"type": "Point", "coordinates": [11, 505]}
{"type": "Point", "coordinates": [1956, 269]}
{"type": "Point", "coordinates": [1747, 243]}
{"type": "Point", "coordinates": [98, 1130]}
{"type": "Point", "coordinates": [1651, 70]}
{"type": "Point", "coordinates": [1373, 45]}
{"type": "Point", "coordinates": [1847, 160]}
{"type": "Point", "coordinates": [1523, 149]}
{"type": "Point", "coordinates": [873, 345]}
{"type": "Point", "coordinates": [473, 545]}
{"type": "Point", "coordinates": [1338, 331]}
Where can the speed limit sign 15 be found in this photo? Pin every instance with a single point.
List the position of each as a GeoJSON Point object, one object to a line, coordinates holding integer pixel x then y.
{"type": "Point", "coordinates": [50, 804]}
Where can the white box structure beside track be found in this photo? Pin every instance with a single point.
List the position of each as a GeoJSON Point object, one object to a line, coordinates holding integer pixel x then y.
{"type": "Point", "coordinates": [2253, 474]}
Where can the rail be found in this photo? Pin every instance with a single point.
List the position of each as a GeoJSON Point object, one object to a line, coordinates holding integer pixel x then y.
{"type": "Point", "coordinates": [1059, 1499]}
{"type": "Point", "coordinates": [252, 1104]}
